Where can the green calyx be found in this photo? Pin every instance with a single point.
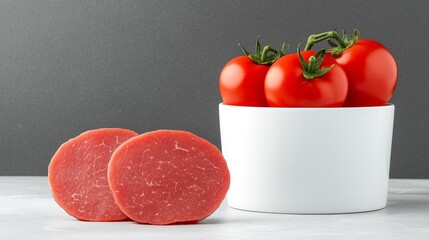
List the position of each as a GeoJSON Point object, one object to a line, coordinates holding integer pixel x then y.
{"type": "Point", "coordinates": [268, 55]}
{"type": "Point", "coordinates": [342, 43]}
{"type": "Point", "coordinates": [312, 69]}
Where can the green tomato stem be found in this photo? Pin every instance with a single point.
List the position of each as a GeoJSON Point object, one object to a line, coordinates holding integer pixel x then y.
{"type": "Point", "coordinates": [342, 42]}
{"type": "Point", "coordinates": [265, 52]}
{"type": "Point", "coordinates": [258, 45]}
{"type": "Point", "coordinates": [312, 69]}
{"type": "Point", "coordinates": [264, 57]}
{"type": "Point", "coordinates": [311, 64]}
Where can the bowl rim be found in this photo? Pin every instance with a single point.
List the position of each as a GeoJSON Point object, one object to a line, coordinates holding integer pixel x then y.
{"type": "Point", "coordinates": [387, 106]}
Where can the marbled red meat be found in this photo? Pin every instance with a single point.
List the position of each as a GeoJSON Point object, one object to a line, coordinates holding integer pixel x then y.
{"type": "Point", "coordinates": [78, 174]}
{"type": "Point", "coordinates": [168, 176]}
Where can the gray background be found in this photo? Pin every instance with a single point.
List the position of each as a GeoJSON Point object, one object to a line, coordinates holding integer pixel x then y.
{"type": "Point", "coordinates": [70, 66]}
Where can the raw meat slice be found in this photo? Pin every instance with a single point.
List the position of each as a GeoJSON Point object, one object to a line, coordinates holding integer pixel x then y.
{"type": "Point", "coordinates": [78, 174]}
{"type": "Point", "coordinates": [168, 176]}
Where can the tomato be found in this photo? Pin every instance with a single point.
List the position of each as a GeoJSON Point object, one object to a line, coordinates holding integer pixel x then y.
{"type": "Point", "coordinates": [372, 73]}
{"type": "Point", "coordinates": [286, 85]}
{"type": "Point", "coordinates": [371, 69]}
{"type": "Point", "coordinates": [241, 81]}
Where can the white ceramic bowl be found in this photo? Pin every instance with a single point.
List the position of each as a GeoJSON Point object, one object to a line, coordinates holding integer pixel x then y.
{"type": "Point", "coordinates": [307, 160]}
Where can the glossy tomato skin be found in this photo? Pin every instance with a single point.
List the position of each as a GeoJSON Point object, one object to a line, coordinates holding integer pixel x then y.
{"type": "Point", "coordinates": [285, 85]}
{"type": "Point", "coordinates": [372, 73]}
{"type": "Point", "coordinates": [241, 82]}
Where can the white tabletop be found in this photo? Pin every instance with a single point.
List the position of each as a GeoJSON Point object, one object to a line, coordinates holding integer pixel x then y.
{"type": "Point", "coordinates": [28, 211]}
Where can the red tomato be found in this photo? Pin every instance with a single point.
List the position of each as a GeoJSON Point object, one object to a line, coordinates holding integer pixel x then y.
{"type": "Point", "coordinates": [286, 86]}
{"type": "Point", "coordinates": [371, 71]}
{"type": "Point", "coordinates": [241, 82]}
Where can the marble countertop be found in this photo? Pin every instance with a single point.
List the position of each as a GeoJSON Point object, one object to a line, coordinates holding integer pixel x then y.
{"type": "Point", "coordinates": [28, 211]}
